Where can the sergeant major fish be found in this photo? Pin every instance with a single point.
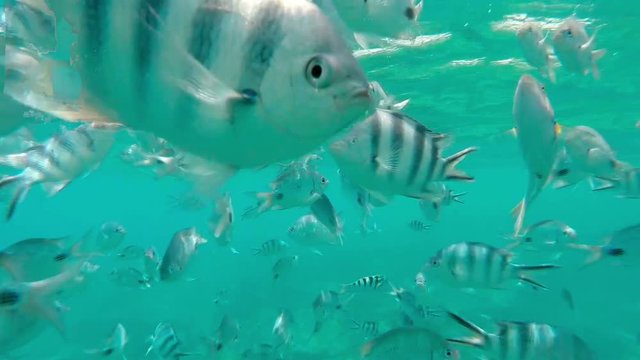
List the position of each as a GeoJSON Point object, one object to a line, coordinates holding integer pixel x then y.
{"type": "Point", "coordinates": [179, 252]}
{"type": "Point", "coordinates": [393, 154]}
{"type": "Point", "coordinates": [165, 343]}
{"type": "Point", "coordinates": [259, 81]}
{"type": "Point", "coordinates": [114, 345]}
{"type": "Point", "coordinates": [271, 247]}
{"type": "Point", "coordinates": [575, 49]}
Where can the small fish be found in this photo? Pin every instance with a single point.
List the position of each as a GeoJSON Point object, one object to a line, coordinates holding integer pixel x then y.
{"type": "Point", "coordinates": [165, 343]}
{"type": "Point", "coordinates": [431, 208]}
{"type": "Point", "coordinates": [221, 221]}
{"type": "Point", "coordinates": [536, 50]}
{"type": "Point", "coordinates": [39, 258]}
{"type": "Point", "coordinates": [151, 264]}
{"type": "Point", "coordinates": [109, 237]}
{"type": "Point", "coordinates": [65, 157]}
{"type": "Point", "coordinates": [324, 306]}
{"type": "Point", "coordinates": [546, 233]}
{"type": "Point", "coordinates": [283, 265]}
{"type": "Point", "coordinates": [586, 155]}
{"type": "Point", "coordinates": [282, 327]}
{"type": "Point", "coordinates": [131, 252]}
{"type": "Point", "coordinates": [377, 17]}
{"type": "Point", "coordinates": [114, 345]}
{"type": "Point", "coordinates": [417, 225]}
{"type": "Point", "coordinates": [227, 333]}
{"type": "Point", "coordinates": [537, 132]}
{"type": "Point", "coordinates": [309, 231]}
{"type": "Point", "coordinates": [324, 211]}
{"type": "Point", "coordinates": [182, 247]}
{"type": "Point", "coordinates": [404, 343]}
{"type": "Point", "coordinates": [271, 247]}
{"type": "Point", "coordinates": [478, 265]}
{"type": "Point", "coordinates": [575, 49]}
{"type": "Point", "coordinates": [368, 328]}
{"type": "Point", "coordinates": [367, 283]}
{"type": "Point", "coordinates": [296, 186]}
{"type": "Point", "coordinates": [525, 340]}
{"type": "Point", "coordinates": [130, 277]}
{"type": "Point", "coordinates": [390, 154]}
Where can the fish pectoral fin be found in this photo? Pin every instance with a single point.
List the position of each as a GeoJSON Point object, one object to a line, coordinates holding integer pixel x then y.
{"type": "Point", "coordinates": [390, 161]}
{"type": "Point", "coordinates": [53, 188]}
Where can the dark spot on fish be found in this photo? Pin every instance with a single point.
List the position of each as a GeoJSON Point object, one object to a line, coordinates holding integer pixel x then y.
{"type": "Point", "coordinates": [9, 297]}
{"type": "Point", "coordinates": [562, 172]}
{"type": "Point", "coordinates": [279, 196]}
{"type": "Point", "coordinates": [410, 13]}
{"type": "Point", "coordinates": [61, 257]}
{"type": "Point", "coordinates": [249, 96]}
{"type": "Point", "coordinates": [230, 217]}
{"type": "Point", "coordinates": [338, 307]}
{"type": "Point", "coordinates": [528, 239]}
{"type": "Point", "coordinates": [108, 352]}
{"type": "Point", "coordinates": [615, 252]}
{"type": "Point", "coordinates": [219, 346]}
{"type": "Point", "coordinates": [539, 176]}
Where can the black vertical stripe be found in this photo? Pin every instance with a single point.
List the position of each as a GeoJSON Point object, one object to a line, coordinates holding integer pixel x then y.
{"type": "Point", "coordinates": [149, 12]}
{"type": "Point", "coordinates": [523, 340]}
{"type": "Point", "coordinates": [262, 40]}
{"type": "Point", "coordinates": [471, 261]}
{"type": "Point", "coordinates": [504, 339]}
{"type": "Point", "coordinates": [419, 137]}
{"type": "Point", "coordinates": [93, 34]}
{"type": "Point", "coordinates": [434, 154]}
{"type": "Point", "coordinates": [397, 141]}
{"type": "Point", "coordinates": [504, 266]}
{"type": "Point", "coordinates": [491, 251]}
{"type": "Point", "coordinates": [376, 132]}
{"type": "Point", "coordinates": [205, 31]}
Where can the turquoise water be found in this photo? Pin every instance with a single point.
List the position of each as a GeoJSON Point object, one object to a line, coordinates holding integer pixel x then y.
{"type": "Point", "coordinates": [472, 102]}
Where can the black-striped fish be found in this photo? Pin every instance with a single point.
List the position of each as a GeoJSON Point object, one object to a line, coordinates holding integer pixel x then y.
{"type": "Point", "coordinates": [271, 247]}
{"type": "Point", "coordinates": [65, 157]}
{"type": "Point", "coordinates": [537, 132]}
{"type": "Point", "coordinates": [242, 82]}
{"type": "Point", "coordinates": [525, 341]}
{"type": "Point", "coordinates": [417, 225]}
{"type": "Point", "coordinates": [393, 154]}
{"type": "Point", "coordinates": [367, 283]}
{"type": "Point", "coordinates": [165, 343]}
{"type": "Point", "coordinates": [478, 265]}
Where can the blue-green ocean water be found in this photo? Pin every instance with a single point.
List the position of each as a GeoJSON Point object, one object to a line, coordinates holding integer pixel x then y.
{"type": "Point", "coordinates": [472, 102]}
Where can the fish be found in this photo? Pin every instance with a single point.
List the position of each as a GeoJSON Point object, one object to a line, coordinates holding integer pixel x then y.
{"type": "Point", "coordinates": [115, 344]}
{"type": "Point", "coordinates": [403, 343]}
{"type": "Point", "coordinates": [65, 157]}
{"type": "Point", "coordinates": [179, 252]}
{"type": "Point", "coordinates": [621, 244]}
{"type": "Point", "coordinates": [295, 186]}
{"type": "Point", "coordinates": [151, 264]}
{"type": "Point", "coordinates": [271, 247]}
{"type": "Point", "coordinates": [110, 236]}
{"type": "Point", "coordinates": [282, 327]}
{"type": "Point", "coordinates": [367, 283]}
{"type": "Point", "coordinates": [385, 101]}
{"type": "Point", "coordinates": [255, 85]}
{"type": "Point", "coordinates": [324, 305]}
{"type": "Point", "coordinates": [165, 343]}
{"type": "Point", "coordinates": [545, 234]}
{"type": "Point", "coordinates": [35, 297]}
{"type": "Point", "coordinates": [525, 341]}
{"type": "Point", "coordinates": [131, 252]}
{"type": "Point", "coordinates": [393, 18]}
{"type": "Point", "coordinates": [537, 132]}
{"type": "Point", "coordinates": [536, 50]}
{"type": "Point", "coordinates": [368, 328]}
{"type": "Point", "coordinates": [478, 265]}
{"type": "Point", "coordinates": [283, 266]}
{"type": "Point", "coordinates": [587, 155]}
{"type": "Point", "coordinates": [417, 225]}
{"type": "Point", "coordinates": [309, 231]}
{"type": "Point", "coordinates": [392, 154]}
{"type": "Point", "coordinates": [221, 221]}
{"type": "Point", "coordinates": [432, 208]}
{"type": "Point", "coordinates": [130, 277]}
{"type": "Point", "coordinates": [575, 49]}
{"type": "Point", "coordinates": [31, 23]}
{"type": "Point", "coordinates": [227, 333]}
{"type": "Point", "coordinates": [39, 258]}
{"type": "Point", "coordinates": [326, 214]}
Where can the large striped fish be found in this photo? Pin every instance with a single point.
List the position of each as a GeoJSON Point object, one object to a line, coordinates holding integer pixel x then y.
{"type": "Point", "coordinates": [516, 340]}
{"type": "Point", "coordinates": [477, 265]}
{"type": "Point", "coordinates": [392, 154]}
{"type": "Point", "coordinates": [241, 82]}
{"type": "Point", "coordinates": [166, 344]}
{"type": "Point", "coordinates": [537, 133]}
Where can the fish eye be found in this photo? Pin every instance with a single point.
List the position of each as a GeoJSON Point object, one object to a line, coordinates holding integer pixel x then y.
{"type": "Point", "coordinates": [354, 140]}
{"type": "Point", "coordinates": [528, 239]}
{"type": "Point", "coordinates": [568, 32]}
{"type": "Point", "coordinates": [435, 262]}
{"type": "Point", "coordinates": [323, 180]}
{"type": "Point", "coordinates": [448, 353]}
{"type": "Point", "coordinates": [318, 72]}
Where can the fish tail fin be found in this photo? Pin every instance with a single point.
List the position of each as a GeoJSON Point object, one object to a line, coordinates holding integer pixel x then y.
{"type": "Point", "coordinates": [480, 338]}
{"type": "Point", "coordinates": [457, 197]}
{"type": "Point", "coordinates": [596, 55]}
{"type": "Point", "coordinates": [521, 271]}
{"type": "Point", "coordinates": [18, 197]}
{"type": "Point", "coordinates": [450, 172]}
